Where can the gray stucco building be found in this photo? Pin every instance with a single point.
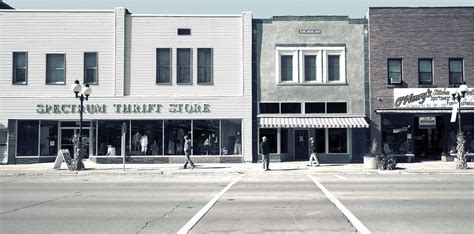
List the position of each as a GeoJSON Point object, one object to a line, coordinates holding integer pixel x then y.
{"type": "Point", "coordinates": [309, 77]}
{"type": "Point", "coordinates": [418, 57]}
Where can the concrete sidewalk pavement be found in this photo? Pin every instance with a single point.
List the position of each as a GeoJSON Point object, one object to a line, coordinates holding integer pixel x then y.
{"type": "Point", "coordinates": [434, 167]}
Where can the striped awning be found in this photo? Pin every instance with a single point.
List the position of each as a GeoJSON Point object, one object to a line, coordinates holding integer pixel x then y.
{"type": "Point", "coordinates": [312, 122]}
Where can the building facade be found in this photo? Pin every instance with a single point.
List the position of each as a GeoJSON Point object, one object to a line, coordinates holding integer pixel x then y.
{"type": "Point", "coordinates": [310, 74]}
{"type": "Point", "coordinates": [162, 76]}
{"type": "Point", "coordinates": [418, 57]}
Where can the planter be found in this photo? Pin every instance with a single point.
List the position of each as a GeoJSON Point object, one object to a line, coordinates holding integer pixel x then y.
{"type": "Point", "coordinates": [370, 162]}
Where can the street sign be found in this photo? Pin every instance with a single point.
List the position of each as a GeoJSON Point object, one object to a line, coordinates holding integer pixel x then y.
{"type": "Point", "coordinates": [454, 114]}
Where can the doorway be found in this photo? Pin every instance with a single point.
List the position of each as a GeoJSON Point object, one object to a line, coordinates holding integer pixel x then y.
{"type": "Point", "coordinates": [301, 145]}
{"type": "Point", "coordinates": [428, 140]}
{"type": "Point", "coordinates": [67, 134]}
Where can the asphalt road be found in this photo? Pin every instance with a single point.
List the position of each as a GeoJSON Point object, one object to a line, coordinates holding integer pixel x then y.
{"type": "Point", "coordinates": [275, 201]}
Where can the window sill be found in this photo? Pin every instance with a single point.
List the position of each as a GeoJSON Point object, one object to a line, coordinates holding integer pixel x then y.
{"type": "Point", "coordinates": [391, 86]}
{"type": "Point", "coordinates": [312, 84]}
{"type": "Point", "coordinates": [426, 86]}
{"type": "Point", "coordinates": [20, 83]}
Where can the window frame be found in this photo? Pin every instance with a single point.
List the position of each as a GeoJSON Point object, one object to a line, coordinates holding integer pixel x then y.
{"type": "Point", "coordinates": [170, 67]}
{"type": "Point", "coordinates": [319, 103]}
{"type": "Point", "coordinates": [14, 67]}
{"type": "Point", "coordinates": [388, 71]}
{"type": "Point", "coordinates": [420, 72]}
{"type": "Point", "coordinates": [287, 52]}
{"type": "Point", "coordinates": [348, 140]}
{"type": "Point", "coordinates": [462, 70]}
{"type": "Point", "coordinates": [190, 66]}
{"type": "Point", "coordinates": [211, 82]}
{"type": "Point", "coordinates": [48, 73]}
{"type": "Point", "coordinates": [291, 102]}
{"type": "Point", "coordinates": [327, 108]}
{"type": "Point", "coordinates": [178, 32]}
{"type": "Point", "coordinates": [260, 109]}
{"type": "Point", "coordinates": [96, 68]}
{"type": "Point", "coordinates": [318, 65]}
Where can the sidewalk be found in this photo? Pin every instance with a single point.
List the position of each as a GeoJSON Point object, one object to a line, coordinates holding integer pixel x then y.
{"type": "Point", "coordinates": [92, 168]}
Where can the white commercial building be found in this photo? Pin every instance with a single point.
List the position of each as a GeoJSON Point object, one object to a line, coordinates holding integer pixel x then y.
{"type": "Point", "coordinates": [164, 76]}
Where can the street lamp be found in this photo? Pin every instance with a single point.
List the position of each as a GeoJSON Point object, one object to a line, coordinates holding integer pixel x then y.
{"type": "Point", "coordinates": [458, 95]}
{"type": "Point", "coordinates": [83, 93]}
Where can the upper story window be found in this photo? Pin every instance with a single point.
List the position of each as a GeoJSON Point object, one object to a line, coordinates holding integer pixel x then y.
{"type": "Point", "coordinates": [425, 74]}
{"type": "Point", "coordinates": [310, 68]}
{"type": "Point", "coordinates": [270, 108]}
{"type": "Point", "coordinates": [163, 68]}
{"type": "Point", "coordinates": [184, 31]}
{"type": "Point", "coordinates": [286, 68]}
{"type": "Point", "coordinates": [205, 64]}
{"type": "Point", "coordinates": [20, 68]}
{"type": "Point", "coordinates": [184, 67]}
{"type": "Point", "coordinates": [394, 71]}
{"type": "Point", "coordinates": [291, 108]}
{"type": "Point", "coordinates": [333, 68]}
{"type": "Point", "coordinates": [55, 69]}
{"type": "Point", "coordinates": [310, 65]}
{"type": "Point", "coordinates": [90, 68]}
{"type": "Point", "coordinates": [336, 107]}
{"type": "Point", "coordinates": [456, 71]}
{"type": "Point", "coordinates": [315, 108]}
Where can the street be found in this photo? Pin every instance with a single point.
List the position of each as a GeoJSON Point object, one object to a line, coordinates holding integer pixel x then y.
{"type": "Point", "coordinates": [274, 201]}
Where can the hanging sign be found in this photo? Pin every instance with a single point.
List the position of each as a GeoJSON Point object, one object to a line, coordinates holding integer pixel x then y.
{"type": "Point", "coordinates": [454, 114]}
{"type": "Point", "coordinates": [427, 122]}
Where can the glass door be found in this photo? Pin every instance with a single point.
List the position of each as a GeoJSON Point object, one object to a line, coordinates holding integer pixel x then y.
{"type": "Point", "coordinates": [301, 145]}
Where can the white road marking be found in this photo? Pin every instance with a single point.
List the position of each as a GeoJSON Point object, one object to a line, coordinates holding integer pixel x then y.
{"type": "Point", "coordinates": [198, 216]}
{"type": "Point", "coordinates": [352, 218]}
{"type": "Point", "coordinates": [340, 177]}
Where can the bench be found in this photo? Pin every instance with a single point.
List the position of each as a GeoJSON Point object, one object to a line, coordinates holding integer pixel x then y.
{"type": "Point", "coordinates": [407, 156]}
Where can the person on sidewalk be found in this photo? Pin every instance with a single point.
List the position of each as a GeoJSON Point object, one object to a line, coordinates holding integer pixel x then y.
{"type": "Point", "coordinates": [187, 152]}
{"type": "Point", "coordinates": [312, 152]}
{"type": "Point", "coordinates": [265, 150]}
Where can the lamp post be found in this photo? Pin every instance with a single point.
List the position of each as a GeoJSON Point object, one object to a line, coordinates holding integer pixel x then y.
{"type": "Point", "coordinates": [458, 95]}
{"type": "Point", "coordinates": [83, 93]}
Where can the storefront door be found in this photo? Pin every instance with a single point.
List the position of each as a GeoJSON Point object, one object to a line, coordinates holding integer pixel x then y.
{"type": "Point", "coordinates": [301, 145]}
{"type": "Point", "coordinates": [67, 135]}
{"type": "Point", "coordinates": [428, 142]}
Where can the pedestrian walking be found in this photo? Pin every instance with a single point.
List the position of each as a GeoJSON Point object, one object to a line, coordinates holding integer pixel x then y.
{"type": "Point", "coordinates": [187, 152]}
{"type": "Point", "coordinates": [265, 150]}
{"type": "Point", "coordinates": [312, 152]}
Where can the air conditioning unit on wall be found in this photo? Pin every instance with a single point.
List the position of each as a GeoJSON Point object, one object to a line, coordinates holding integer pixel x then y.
{"type": "Point", "coordinates": [395, 80]}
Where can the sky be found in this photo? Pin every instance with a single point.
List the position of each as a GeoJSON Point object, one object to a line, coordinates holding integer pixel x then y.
{"type": "Point", "coordinates": [259, 8]}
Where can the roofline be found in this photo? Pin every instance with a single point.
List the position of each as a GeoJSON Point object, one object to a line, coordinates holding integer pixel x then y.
{"type": "Point", "coordinates": [422, 7]}
{"type": "Point", "coordinates": [189, 15]}
{"type": "Point", "coordinates": [57, 10]}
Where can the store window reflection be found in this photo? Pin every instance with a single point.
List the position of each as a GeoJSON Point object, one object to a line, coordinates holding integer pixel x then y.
{"type": "Point", "coordinates": [27, 139]}
{"type": "Point", "coordinates": [320, 139]}
{"type": "Point", "coordinates": [175, 130]}
{"type": "Point", "coordinates": [337, 140]}
{"type": "Point", "coordinates": [109, 137]}
{"type": "Point", "coordinates": [271, 134]}
{"type": "Point", "coordinates": [147, 137]}
{"type": "Point", "coordinates": [206, 137]}
{"type": "Point", "coordinates": [48, 138]}
{"type": "Point", "coordinates": [231, 137]}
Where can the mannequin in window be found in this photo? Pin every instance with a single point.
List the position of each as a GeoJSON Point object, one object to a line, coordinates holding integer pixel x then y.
{"type": "Point", "coordinates": [136, 141]}
{"type": "Point", "coordinates": [238, 144]}
{"type": "Point", "coordinates": [214, 144]}
{"type": "Point", "coordinates": [154, 148]}
{"type": "Point", "coordinates": [144, 143]}
{"type": "Point", "coordinates": [172, 142]}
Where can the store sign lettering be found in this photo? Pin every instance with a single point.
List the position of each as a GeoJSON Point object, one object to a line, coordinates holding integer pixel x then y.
{"type": "Point", "coordinates": [429, 98]}
{"type": "Point", "coordinates": [122, 108]}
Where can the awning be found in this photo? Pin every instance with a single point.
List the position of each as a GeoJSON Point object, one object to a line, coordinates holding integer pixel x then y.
{"type": "Point", "coordinates": [312, 122]}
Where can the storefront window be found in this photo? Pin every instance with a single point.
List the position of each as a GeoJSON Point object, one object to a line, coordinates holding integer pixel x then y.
{"type": "Point", "coordinates": [337, 140]}
{"type": "Point", "coordinates": [271, 134]}
{"type": "Point", "coordinates": [49, 138]}
{"type": "Point", "coordinates": [206, 137]}
{"type": "Point", "coordinates": [175, 130]}
{"type": "Point", "coordinates": [27, 139]}
{"type": "Point", "coordinates": [109, 137]}
{"type": "Point", "coordinates": [397, 134]}
{"type": "Point", "coordinates": [231, 137]}
{"type": "Point", "coordinates": [320, 138]}
{"type": "Point", "coordinates": [147, 137]}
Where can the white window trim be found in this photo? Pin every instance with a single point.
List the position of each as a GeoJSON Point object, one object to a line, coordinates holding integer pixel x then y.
{"type": "Point", "coordinates": [321, 53]}
{"type": "Point", "coordinates": [342, 66]}
{"type": "Point", "coordinates": [64, 69]}
{"type": "Point", "coordinates": [280, 53]}
{"type": "Point", "coordinates": [316, 53]}
{"type": "Point", "coordinates": [348, 141]}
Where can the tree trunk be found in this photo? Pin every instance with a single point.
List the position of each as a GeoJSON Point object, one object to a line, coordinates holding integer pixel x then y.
{"type": "Point", "coordinates": [460, 154]}
{"type": "Point", "coordinates": [78, 165]}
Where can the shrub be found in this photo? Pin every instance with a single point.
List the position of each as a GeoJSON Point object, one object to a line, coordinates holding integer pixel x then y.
{"type": "Point", "coordinates": [386, 162]}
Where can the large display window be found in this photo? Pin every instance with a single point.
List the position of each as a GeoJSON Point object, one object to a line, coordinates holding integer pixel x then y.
{"type": "Point", "coordinates": [231, 137]}
{"type": "Point", "coordinates": [27, 137]}
{"type": "Point", "coordinates": [109, 137]}
{"type": "Point", "coordinates": [206, 137]}
{"type": "Point", "coordinates": [175, 130]}
{"type": "Point", "coordinates": [272, 138]}
{"type": "Point", "coordinates": [147, 137]}
{"type": "Point", "coordinates": [48, 138]}
{"type": "Point", "coordinates": [337, 140]}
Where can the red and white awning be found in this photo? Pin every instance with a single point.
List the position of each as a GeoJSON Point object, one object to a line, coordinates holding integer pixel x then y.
{"type": "Point", "coordinates": [312, 122]}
